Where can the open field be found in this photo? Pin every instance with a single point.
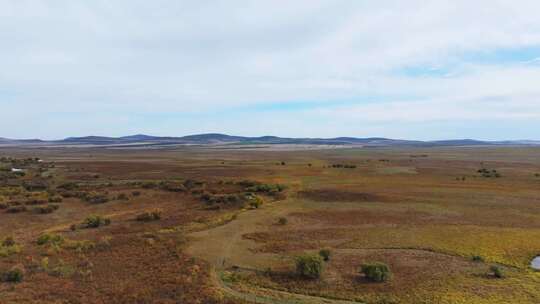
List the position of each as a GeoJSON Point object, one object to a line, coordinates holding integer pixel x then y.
{"type": "Point", "coordinates": [231, 223]}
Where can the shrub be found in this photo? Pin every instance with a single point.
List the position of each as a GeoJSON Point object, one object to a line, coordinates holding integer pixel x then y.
{"type": "Point", "coordinates": [325, 254]}
{"type": "Point", "coordinates": [79, 246]}
{"type": "Point", "coordinates": [8, 247]}
{"type": "Point", "coordinates": [149, 185]}
{"type": "Point", "coordinates": [255, 202]}
{"type": "Point", "coordinates": [8, 241]}
{"type": "Point", "coordinates": [35, 202]}
{"type": "Point", "coordinates": [309, 266]}
{"type": "Point", "coordinates": [282, 221]}
{"type": "Point", "coordinates": [122, 197]}
{"type": "Point", "coordinates": [6, 251]}
{"type": "Point", "coordinates": [69, 186]}
{"type": "Point", "coordinates": [35, 185]}
{"type": "Point", "coordinates": [376, 272]}
{"type": "Point", "coordinates": [477, 258]}
{"type": "Point", "coordinates": [136, 193]}
{"type": "Point", "coordinates": [95, 198]}
{"type": "Point", "coordinates": [50, 238]}
{"type": "Point", "coordinates": [14, 275]}
{"type": "Point", "coordinates": [45, 209]}
{"type": "Point", "coordinates": [148, 216]}
{"type": "Point", "coordinates": [55, 199]}
{"type": "Point", "coordinates": [496, 271]}
{"type": "Point", "coordinates": [95, 221]}
{"type": "Point", "coordinates": [16, 209]}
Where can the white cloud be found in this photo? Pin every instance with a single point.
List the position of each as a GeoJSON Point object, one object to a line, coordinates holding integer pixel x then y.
{"type": "Point", "coordinates": [191, 56]}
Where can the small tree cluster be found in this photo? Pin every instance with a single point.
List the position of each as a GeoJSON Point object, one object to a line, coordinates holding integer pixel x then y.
{"type": "Point", "coordinates": [95, 221]}
{"type": "Point", "coordinates": [309, 266]}
{"type": "Point", "coordinates": [325, 254]}
{"type": "Point", "coordinates": [8, 246]}
{"type": "Point", "coordinates": [149, 216]}
{"type": "Point", "coordinates": [14, 275]}
{"type": "Point", "coordinates": [496, 271]}
{"type": "Point", "coordinates": [376, 272]}
{"type": "Point", "coordinates": [45, 209]}
{"type": "Point", "coordinates": [489, 173]}
{"type": "Point", "coordinates": [345, 166]}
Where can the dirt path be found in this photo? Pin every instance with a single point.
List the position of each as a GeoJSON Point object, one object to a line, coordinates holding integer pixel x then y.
{"type": "Point", "coordinates": [224, 246]}
{"type": "Point", "coordinates": [271, 296]}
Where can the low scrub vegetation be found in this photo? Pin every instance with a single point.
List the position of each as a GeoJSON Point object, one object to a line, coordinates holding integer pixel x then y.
{"type": "Point", "coordinates": [309, 266]}
{"type": "Point", "coordinates": [325, 254]}
{"type": "Point", "coordinates": [282, 221]}
{"type": "Point", "coordinates": [95, 198]}
{"type": "Point", "coordinates": [95, 221]}
{"type": "Point", "coordinates": [14, 275]}
{"type": "Point", "coordinates": [8, 247]}
{"type": "Point", "coordinates": [496, 272]}
{"type": "Point", "coordinates": [149, 216]}
{"type": "Point", "coordinates": [489, 173]}
{"type": "Point", "coordinates": [477, 258]}
{"type": "Point", "coordinates": [376, 272]}
{"type": "Point", "coordinates": [16, 209]}
{"type": "Point", "coordinates": [343, 166]}
{"type": "Point", "coordinates": [50, 238]}
{"type": "Point", "coordinates": [45, 209]}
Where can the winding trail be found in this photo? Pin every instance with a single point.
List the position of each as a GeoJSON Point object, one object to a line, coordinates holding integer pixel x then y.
{"type": "Point", "coordinates": [273, 296]}
{"type": "Point", "coordinates": [224, 247]}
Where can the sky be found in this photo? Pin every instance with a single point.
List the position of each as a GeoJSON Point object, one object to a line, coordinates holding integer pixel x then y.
{"type": "Point", "coordinates": [306, 68]}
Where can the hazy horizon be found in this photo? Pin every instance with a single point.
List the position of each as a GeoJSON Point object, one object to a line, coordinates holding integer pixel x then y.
{"type": "Point", "coordinates": [264, 135]}
{"type": "Point", "coordinates": [414, 70]}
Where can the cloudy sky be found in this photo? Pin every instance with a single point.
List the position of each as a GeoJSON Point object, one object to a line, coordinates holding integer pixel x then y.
{"type": "Point", "coordinates": [402, 69]}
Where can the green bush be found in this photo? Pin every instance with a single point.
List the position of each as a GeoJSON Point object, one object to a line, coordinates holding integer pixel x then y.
{"type": "Point", "coordinates": [14, 275]}
{"type": "Point", "coordinates": [8, 241]}
{"type": "Point", "coordinates": [45, 209]}
{"type": "Point", "coordinates": [95, 221]}
{"type": "Point", "coordinates": [55, 199]}
{"type": "Point", "coordinates": [8, 246]}
{"type": "Point", "coordinates": [50, 238]}
{"type": "Point", "coordinates": [255, 202]}
{"type": "Point", "coordinates": [477, 258]}
{"type": "Point", "coordinates": [79, 246]}
{"type": "Point", "coordinates": [376, 272]}
{"type": "Point", "coordinates": [122, 197]}
{"type": "Point", "coordinates": [95, 198]}
{"type": "Point", "coordinates": [16, 209]}
{"type": "Point", "coordinates": [325, 254]}
{"type": "Point", "coordinates": [309, 266]}
{"type": "Point", "coordinates": [496, 271]}
{"type": "Point", "coordinates": [68, 186]}
{"type": "Point", "coordinates": [148, 216]}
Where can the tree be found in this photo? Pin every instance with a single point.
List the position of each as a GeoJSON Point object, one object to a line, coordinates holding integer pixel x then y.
{"type": "Point", "coordinates": [497, 271]}
{"type": "Point", "coordinates": [309, 266]}
{"type": "Point", "coordinates": [325, 254]}
{"type": "Point", "coordinates": [376, 272]}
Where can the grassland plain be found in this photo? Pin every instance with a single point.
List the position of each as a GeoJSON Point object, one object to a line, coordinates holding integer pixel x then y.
{"type": "Point", "coordinates": [426, 213]}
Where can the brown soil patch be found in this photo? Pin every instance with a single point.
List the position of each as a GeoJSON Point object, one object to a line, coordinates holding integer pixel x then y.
{"type": "Point", "coordinates": [333, 195]}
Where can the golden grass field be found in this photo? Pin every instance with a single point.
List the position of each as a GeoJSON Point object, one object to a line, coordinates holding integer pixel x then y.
{"type": "Point", "coordinates": [423, 212]}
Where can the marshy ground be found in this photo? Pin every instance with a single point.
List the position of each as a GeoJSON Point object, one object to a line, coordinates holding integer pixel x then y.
{"type": "Point", "coordinates": [439, 218]}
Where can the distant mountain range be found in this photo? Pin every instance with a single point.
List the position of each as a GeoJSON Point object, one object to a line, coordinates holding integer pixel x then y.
{"type": "Point", "coordinates": [141, 140]}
